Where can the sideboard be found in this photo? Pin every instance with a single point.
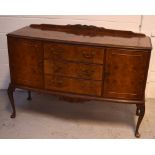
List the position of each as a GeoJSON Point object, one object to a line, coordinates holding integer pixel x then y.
{"type": "Point", "coordinates": [80, 61]}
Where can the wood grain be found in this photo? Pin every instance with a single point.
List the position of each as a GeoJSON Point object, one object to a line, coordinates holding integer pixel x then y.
{"type": "Point", "coordinates": [86, 54]}
{"type": "Point", "coordinates": [126, 73]}
{"type": "Point", "coordinates": [71, 85]}
{"type": "Point", "coordinates": [75, 70]}
{"type": "Point", "coordinates": [26, 62]}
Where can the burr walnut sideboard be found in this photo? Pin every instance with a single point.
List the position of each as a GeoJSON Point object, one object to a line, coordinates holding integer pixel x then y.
{"type": "Point", "coordinates": [80, 61]}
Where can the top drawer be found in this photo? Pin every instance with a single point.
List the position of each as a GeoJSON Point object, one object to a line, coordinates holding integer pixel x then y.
{"type": "Point", "coordinates": [77, 53]}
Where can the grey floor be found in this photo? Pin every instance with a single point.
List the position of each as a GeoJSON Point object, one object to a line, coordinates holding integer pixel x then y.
{"type": "Point", "coordinates": [48, 117]}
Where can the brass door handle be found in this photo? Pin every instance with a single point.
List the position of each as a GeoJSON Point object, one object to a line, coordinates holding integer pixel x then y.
{"type": "Point", "coordinates": [106, 74]}
{"type": "Point", "coordinates": [86, 73]}
{"type": "Point", "coordinates": [107, 71]}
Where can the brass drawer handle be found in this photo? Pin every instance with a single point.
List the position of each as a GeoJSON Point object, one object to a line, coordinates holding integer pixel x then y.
{"type": "Point", "coordinates": [86, 73]}
{"type": "Point", "coordinates": [56, 52]}
{"type": "Point", "coordinates": [58, 66]}
{"type": "Point", "coordinates": [106, 74]}
{"type": "Point", "coordinates": [88, 55]}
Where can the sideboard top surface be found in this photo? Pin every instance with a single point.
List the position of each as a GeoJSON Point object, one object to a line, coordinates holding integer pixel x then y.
{"type": "Point", "coordinates": [83, 34]}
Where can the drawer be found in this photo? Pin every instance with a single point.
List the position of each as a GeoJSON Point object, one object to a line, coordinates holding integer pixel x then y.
{"type": "Point", "coordinates": [69, 69]}
{"type": "Point", "coordinates": [77, 53]}
{"type": "Point", "coordinates": [72, 85]}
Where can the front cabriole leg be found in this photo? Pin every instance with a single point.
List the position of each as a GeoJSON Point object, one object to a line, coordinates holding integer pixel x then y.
{"type": "Point", "coordinates": [137, 110]}
{"type": "Point", "coordinates": [10, 91]}
{"type": "Point", "coordinates": [140, 113]}
{"type": "Point", "coordinates": [29, 95]}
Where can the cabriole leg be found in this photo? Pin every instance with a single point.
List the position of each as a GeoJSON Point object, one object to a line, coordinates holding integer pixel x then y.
{"type": "Point", "coordinates": [10, 94]}
{"type": "Point", "coordinates": [29, 95]}
{"type": "Point", "coordinates": [140, 113]}
{"type": "Point", "coordinates": [137, 110]}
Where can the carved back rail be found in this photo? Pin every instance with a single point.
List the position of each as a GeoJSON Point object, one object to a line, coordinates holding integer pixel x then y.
{"type": "Point", "coordinates": [86, 30]}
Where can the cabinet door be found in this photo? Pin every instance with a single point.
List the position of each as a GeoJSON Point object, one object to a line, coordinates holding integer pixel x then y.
{"type": "Point", "coordinates": [125, 74]}
{"type": "Point", "coordinates": [26, 62]}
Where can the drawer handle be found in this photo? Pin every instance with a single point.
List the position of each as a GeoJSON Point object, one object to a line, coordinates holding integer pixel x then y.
{"type": "Point", "coordinates": [87, 73]}
{"type": "Point", "coordinates": [106, 74]}
{"type": "Point", "coordinates": [88, 55]}
{"type": "Point", "coordinates": [56, 52]}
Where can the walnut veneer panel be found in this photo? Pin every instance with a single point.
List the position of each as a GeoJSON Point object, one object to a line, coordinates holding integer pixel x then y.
{"type": "Point", "coordinates": [71, 69]}
{"type": "Point", "coordinates": [58, 83]}
{"type": "Point", "coordinates": [26, 62]}
{"type": "Point", "coordinates": [127, 72]}
{"type": "Point", "coordinates": [87, 54]}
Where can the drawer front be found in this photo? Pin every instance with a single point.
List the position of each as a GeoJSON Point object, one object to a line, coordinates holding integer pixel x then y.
{"type": "Point", "coordinates": [75, 53]}
{"type": "Point", "coordinates": [72, 85]}
{"type": "Point", "coordinates": [78, 70]}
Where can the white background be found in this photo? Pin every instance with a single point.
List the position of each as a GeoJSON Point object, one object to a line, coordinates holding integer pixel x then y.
{"type": "Point", "coordinates": [79, 7]}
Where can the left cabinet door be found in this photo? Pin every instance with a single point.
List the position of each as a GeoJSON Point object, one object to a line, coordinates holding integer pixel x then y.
{"type": "Point", "coordinates": [26, 62]}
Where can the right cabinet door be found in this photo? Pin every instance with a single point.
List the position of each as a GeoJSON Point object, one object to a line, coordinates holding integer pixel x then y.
{"type": "Point", "coordinates": [125, 73]}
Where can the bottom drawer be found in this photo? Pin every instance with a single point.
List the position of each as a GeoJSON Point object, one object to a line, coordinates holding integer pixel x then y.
{"type": "Point", "coordinates": [70, 85]}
